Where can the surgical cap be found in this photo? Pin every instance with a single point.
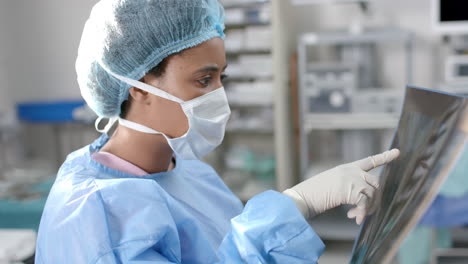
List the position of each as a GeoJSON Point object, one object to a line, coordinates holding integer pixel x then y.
{"type": "Point", "coordinates": [130, 37]}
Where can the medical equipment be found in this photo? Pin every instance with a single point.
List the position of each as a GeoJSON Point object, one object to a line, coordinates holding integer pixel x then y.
{"type": "Point", "coordinates": [340, 107]}
{"type": "Point", "coordinates": [455, 78]}
{"type": "Point", "coordinates": [332, 89]}
{"type": "Point", "coordinates": [449, 17]}
{"type": "Point", "coordinates": [377, 101]}
{"type": "Point", "coordinates": [329, 87]}
{"type": "Point", "coordinates": [364, 57]}
{"type": "Point", "coordinates": [456, 69]}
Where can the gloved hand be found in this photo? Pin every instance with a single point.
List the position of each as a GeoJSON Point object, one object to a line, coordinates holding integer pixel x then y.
{"type": "Point", "coordinates": [346, 184]}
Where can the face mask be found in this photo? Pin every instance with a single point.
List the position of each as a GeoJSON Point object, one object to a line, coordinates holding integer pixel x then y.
{"type": "Point", "coordinates": [207, 116]}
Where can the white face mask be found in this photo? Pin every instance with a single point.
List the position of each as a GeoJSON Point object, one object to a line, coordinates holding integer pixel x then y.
{"type": "Point", "coordinates": [207, 116]}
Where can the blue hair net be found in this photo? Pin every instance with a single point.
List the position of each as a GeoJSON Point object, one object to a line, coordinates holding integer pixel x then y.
{"type": "Point", "coordinates": [130, 37]}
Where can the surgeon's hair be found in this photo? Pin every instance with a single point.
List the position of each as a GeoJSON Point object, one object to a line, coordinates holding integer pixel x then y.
{"type": "Point", "coordinates": [157, 71]}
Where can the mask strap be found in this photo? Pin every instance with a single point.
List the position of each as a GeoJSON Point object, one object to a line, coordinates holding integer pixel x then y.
{"type": "Point", "coordinates": [138, 127]}
{"type": "Point", "coordinates": [107, 127]}
{"type": "Point", "coordinates": [143, 86]}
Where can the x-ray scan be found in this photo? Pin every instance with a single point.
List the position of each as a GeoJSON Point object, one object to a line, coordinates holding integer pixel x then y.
{"type": "Point", "coordinates": [431, 135]}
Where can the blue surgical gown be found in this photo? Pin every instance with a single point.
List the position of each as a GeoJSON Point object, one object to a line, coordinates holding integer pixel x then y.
{"type": "Point", "coordinates": [95, 214]}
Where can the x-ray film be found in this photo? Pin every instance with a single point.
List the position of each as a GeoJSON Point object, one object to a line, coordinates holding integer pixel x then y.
{"type": "Point", "coordinates": [431, 135]}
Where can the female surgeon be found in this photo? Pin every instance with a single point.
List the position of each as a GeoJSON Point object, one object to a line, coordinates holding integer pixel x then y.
{"type": "Point", "coordinates": [155, 67]}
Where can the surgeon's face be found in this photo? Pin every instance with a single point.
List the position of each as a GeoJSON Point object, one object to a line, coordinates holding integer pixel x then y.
{"type": "Point", "coordinates": [190, 74]}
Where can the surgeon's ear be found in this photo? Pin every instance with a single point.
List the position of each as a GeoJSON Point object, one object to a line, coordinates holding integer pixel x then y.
{"type": "Point", "coordinates": [139, 96]}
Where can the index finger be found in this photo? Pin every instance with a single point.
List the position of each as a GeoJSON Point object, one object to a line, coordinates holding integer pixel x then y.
{"type": "Point", "coordinates": [375, 161]}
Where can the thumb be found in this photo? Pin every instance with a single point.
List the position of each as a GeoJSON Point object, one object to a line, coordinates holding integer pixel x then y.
{"type": "Point", "coordinates": [375, 161]}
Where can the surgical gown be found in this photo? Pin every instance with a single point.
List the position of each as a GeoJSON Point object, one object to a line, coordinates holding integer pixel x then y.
{"type": "Point", "coordinates": [98, 215]}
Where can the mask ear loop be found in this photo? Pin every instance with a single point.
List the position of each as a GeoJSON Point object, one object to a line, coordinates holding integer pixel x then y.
{"type": "Point", "coordinates": [143, 86]}
{"type": "Point", "coordinates": [138, 127]}
{"type": "Point", "coordinates": [107, 127]}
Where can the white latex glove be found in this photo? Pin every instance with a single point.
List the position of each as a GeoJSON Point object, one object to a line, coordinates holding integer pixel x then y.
{"type": "Point", "coordinates": [346, 184]}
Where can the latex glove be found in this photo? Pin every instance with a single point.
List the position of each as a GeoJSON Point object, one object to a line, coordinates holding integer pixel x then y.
{"type": "Point", "coordinates": [346, 184]}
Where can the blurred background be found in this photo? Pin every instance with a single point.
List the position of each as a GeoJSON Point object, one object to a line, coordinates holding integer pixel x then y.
{"type": "Point", "coordinates": [312, 84]}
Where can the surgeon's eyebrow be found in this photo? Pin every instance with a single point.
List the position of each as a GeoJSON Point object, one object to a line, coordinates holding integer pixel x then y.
{"type": "Point", "coordinates": [211, 68]}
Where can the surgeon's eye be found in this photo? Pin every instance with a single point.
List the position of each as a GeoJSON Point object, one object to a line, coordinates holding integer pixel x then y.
{"type": "Point", "coordinates": [205, 81]}
{"type": "Point", "coordinates": [224, 77]}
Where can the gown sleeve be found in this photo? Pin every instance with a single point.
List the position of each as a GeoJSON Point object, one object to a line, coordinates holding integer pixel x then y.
{"type": "Point", "coordinates": [270, 230]}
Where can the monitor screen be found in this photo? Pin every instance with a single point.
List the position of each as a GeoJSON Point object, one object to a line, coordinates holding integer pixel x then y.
{"type": "Point", "coordinates": [463, 70]}
{"type": "Point", "coordinates": [453, 10]}
{"type": "Point", "coordinates": [450, 16]}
